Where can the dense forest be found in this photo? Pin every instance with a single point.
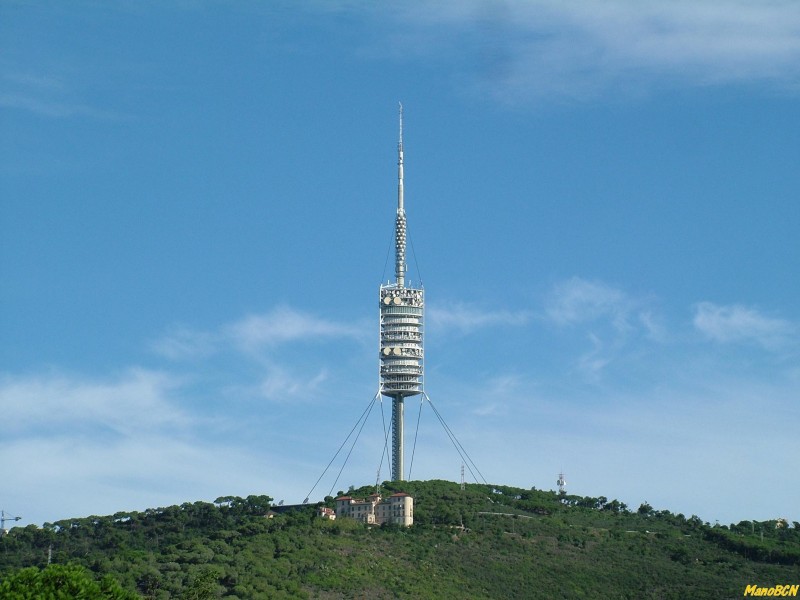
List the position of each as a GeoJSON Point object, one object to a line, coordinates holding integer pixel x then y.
{"type": "Point", "coordinates": [483, 541]}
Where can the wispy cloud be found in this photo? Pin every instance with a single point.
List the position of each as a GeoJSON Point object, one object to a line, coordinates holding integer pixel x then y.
{"type": "Point", "coordinates": [260, 354]}
{"type": "Point", "coordinates": [52, 108]}
{"type": "Point", "coordinates": [608, 317]}
{"type": "Point", "coordinates": [286, 324]}
{"type": "Point", "coordinates": [128, 440]}
{"type": "Point", "coordinates": [685, 428]}
{"type": "Point", "coordinates": [465, 318]}
{"type": "Point", "coordinates": [45, 95]}
{"type": "Point", "coordinates": [182, 343]}
{"type": "Point", "coordinates": [253, 333]}
{"type": "Point", "coordinates": [736, 323]}
{"type": "Point", "coordinates": [498, 394]}
{"type": "Point", "coordinates": [57, 424]}
{"type": "Point", "coordinates": [579, 300]}
{"type": "Point", "coordinates": [546, 48]}
{"type": "Point", "coordinates": [134, 401]}
{"type": "Point", "coordinates": [92, 475]}
{"type": "Point", "coordinates": [282, 384]}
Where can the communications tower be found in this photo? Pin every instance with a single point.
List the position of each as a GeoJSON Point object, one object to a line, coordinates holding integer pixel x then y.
{"type": "Point", "coordinates": [562, 484]}
{"type": "Point", "coordinates": [401, 328]}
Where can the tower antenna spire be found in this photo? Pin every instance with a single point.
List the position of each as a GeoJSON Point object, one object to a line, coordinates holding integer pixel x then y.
{"type": "Point", "coordinates": [400, 223]}
{"type": "Point", "coordinates": [400, 161]}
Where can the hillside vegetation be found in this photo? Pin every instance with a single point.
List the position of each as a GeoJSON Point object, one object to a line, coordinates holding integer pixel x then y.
{"type": "Point", "coordinates": [481, 542]}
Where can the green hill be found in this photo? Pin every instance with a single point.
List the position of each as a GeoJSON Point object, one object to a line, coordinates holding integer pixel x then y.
{"type": "Point", "coordinates": [480, 542]}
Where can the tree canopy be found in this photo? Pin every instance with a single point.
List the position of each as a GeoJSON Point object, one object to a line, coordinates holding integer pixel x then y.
{"type": "Point", "coordinates": [479, 542]}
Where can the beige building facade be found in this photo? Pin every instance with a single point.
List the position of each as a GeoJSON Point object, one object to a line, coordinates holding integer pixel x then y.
{"type": "Point", "coordinates": [397, 509]}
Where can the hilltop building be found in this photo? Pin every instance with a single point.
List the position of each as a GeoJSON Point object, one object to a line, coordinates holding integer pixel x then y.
{"type": "Point", "coordinates": [397, 509]}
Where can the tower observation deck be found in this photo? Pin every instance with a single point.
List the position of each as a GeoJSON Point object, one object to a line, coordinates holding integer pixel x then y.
{"type": "Point", "coordinates": [401, 329]}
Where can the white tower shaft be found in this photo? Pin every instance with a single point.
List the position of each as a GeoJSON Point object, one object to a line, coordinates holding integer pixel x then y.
{"type": "Point", "coordinates": [398, 419]}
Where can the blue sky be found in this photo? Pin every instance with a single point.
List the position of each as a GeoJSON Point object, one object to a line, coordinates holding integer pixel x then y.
{"type": "Point", "coordinates": [198, 201]}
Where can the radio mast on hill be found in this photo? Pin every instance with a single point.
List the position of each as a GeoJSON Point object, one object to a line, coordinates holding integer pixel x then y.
{"type": "Point", "coordinates": [401, 328]}
{"type": "Point", "coordinates": [401, 312]}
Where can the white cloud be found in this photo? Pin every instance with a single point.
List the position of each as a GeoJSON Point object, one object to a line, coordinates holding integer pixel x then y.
{"type": "Point", "coordinates": [74, 475]}
{"type": "Point", "coordinates": [682, 443]}
{"type": "Point", "coordinates": [613, 322]}
{"type": "Point", "coordinates": [57, 433]}
{"type": "Point", "coordinates": [254, 333]}
{"type": "Point", "coordinates": [58, 424]}
{"type": "Point", "coordinates": [286, 324]}
{"type": "Point", "coordinates": [136, 400]}
{"type": "Point", "coordinates": [51, 108]}
{"type": "Point", "coordinates": [182, 343]}
{"type": "Point", "coordinates": [523, 50]}
{"type": "Point", "coordinates": [254, 358]}
{"type": "Point", "coordinates": [52, 96]}
{"type": "Point", "coordinates": [575, 301]}
{"type": "Point", "coordinates": [465, 318]}
{"type": "Point", "coordinates": [77, 445]}
{"type": "Point", "coordinates": [495, 396]}
{"type": "Point", "coordinates": [595, 360]}
{"type": "Point", "coordinates": [578, 300]}
{"type": "Point", "coordinates": [736, 323]}
{"type": "Point", "coordinates": [281, 384]}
